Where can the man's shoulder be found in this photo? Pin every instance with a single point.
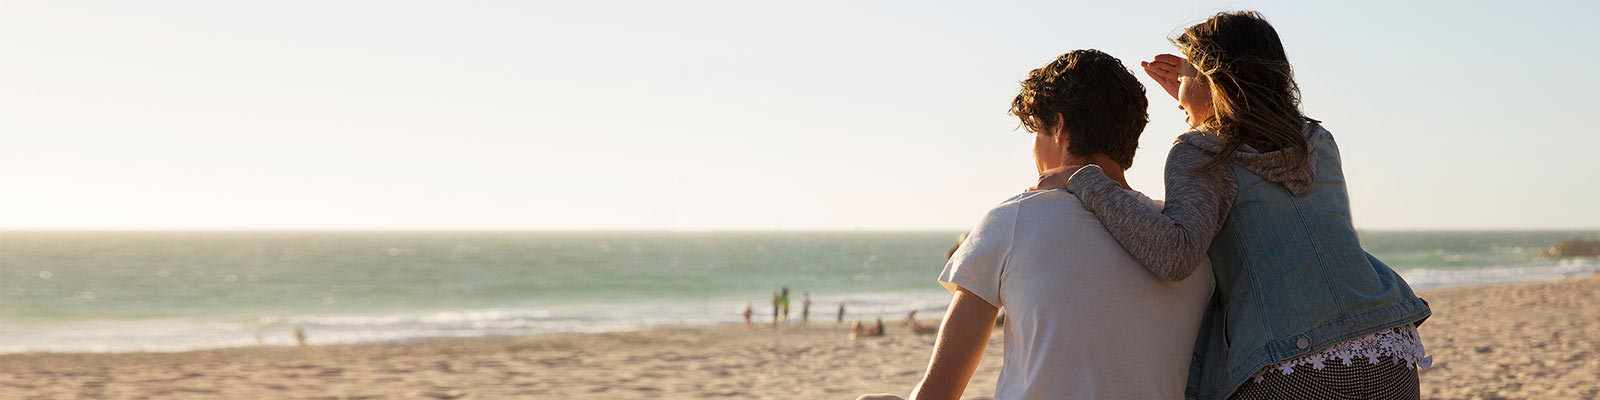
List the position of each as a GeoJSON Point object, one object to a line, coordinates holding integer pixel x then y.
{"type": "Point", "coordinates": [1053, 198]}
{"type": "Point", "coordinates": [1044, 211]}
{"type": "Point", "coordinates": [1001, 220]}
{"type": "Point", "coordinates": [1033, 201]}
{"type": "Point", "coordinates": [1058, 200]}
{"type": "Point", "coordinates": [1048, 211]}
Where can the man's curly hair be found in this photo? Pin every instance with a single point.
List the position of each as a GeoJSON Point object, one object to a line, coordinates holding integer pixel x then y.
{"type": "Point", "coordinates": [1102, 105]}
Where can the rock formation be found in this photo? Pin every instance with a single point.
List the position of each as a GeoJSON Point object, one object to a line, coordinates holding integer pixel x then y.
{"type": "Point", "coordinates": [1573, 248]}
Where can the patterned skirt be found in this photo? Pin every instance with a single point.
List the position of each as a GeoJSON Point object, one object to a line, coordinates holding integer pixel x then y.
{"type": "Point", "coordinates": [1386, 379]}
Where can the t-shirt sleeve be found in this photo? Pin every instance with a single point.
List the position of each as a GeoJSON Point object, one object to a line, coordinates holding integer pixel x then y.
{"type": "Point", "coordinates": [979, 261]}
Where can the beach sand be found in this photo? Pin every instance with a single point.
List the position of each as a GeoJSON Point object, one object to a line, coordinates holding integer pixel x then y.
{"type": "Point", "coordinates": [1520, 341]}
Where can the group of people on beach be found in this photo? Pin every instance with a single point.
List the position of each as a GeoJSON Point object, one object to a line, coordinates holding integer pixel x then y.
{"type": "Point", "coordinates": [780, 314]}
{"type": "Point", "coordinates": [1248, 282]}
{"type": "Point", "coordinates": [780, 309]}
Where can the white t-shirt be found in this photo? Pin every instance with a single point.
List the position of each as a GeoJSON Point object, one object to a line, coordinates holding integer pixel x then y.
{"type": "Point", "coordinates": [1083, 319]}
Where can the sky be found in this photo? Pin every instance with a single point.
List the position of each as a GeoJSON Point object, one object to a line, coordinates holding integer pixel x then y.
{"type": "Point", "coordinates": [739, 115]}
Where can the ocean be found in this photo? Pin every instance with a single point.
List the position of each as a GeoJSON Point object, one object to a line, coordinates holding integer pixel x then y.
{"type": "Point", "coordinates": [173, 291]}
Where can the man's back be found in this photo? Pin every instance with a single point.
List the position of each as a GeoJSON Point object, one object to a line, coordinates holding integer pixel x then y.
{"type": "Point", "coordinates": [1084, 320]}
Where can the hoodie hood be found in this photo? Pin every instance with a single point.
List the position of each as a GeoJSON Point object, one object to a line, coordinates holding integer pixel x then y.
{"type": "Point", "coordinates": [1277, 166]}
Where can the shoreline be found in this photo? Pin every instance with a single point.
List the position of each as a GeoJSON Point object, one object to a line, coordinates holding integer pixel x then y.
{"type": "Point", "coordinates": [709, 326]}
{"type": "Point", "coordinates": [1519, 340]}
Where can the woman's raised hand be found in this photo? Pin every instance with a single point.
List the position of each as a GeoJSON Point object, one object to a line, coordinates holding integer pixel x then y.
{"type": "Point", "coordinates": [1164, 69]}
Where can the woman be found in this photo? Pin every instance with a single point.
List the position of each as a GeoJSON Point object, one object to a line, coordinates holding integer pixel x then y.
{"type": "Point", "coordinates": [1300, 311]}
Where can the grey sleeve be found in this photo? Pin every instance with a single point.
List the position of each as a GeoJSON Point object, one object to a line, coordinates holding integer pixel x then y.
{"type": "Point", "coordinates": [1173, 241]}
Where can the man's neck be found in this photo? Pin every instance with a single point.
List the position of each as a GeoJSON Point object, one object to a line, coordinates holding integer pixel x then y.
{"type": "Point", "coordinates": [1111, 168]}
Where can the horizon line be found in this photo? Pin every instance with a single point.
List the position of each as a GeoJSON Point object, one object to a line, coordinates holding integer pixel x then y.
{"type": "Point", "coordinates": [658, 229]}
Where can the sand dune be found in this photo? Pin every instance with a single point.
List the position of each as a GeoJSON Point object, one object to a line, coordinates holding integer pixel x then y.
{"type": "Point", "coordinates": [1535, 341]}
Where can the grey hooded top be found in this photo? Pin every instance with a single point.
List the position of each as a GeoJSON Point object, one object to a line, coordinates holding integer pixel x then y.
{"type": "Point", "coordinates": [1211, 192]}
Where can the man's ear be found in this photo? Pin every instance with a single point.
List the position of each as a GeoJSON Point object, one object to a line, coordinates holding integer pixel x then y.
{"type": "Point", "coordinates": [1059, 131]}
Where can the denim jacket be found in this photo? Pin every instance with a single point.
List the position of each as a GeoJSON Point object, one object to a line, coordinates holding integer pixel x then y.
{"type": "Point", "coordinates": [1291, 278]}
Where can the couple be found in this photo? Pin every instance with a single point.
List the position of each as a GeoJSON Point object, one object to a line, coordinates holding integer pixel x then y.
{"type": "Point", "coordinates": [1248, 283]}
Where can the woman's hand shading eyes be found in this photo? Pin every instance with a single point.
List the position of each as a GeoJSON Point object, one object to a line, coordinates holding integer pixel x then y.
{"type": "Point", "coordinates": [1164, 69]}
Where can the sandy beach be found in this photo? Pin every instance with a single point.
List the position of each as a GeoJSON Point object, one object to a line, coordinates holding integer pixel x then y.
{"type": "Point", "coordinates": [1517, 341]}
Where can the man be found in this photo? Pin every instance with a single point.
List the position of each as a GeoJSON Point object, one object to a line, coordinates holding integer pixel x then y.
{"type": "Point", "coordinates": [1086, 321]}
{"type": "Point", "coordinates": [805, 308]}
{"type": "Point", "coordinates": [785, 302]}
{"type": "Point", "coordinates": [747, 312]}
{"type": "Point", "coordinates": [777, 298]}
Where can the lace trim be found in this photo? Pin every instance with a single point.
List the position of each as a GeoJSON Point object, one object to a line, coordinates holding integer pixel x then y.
{"type": "Point", "coordinates": [1402, 344]}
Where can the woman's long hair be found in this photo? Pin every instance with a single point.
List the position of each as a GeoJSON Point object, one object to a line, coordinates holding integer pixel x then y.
{"type": "Point", "coordinates": [1253, 93]}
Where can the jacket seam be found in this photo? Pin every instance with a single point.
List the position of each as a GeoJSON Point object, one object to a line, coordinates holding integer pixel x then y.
{"type": "Point", "coordinates": [1322, 264]}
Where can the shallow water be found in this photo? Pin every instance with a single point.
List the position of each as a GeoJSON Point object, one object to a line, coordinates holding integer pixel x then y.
{"type": "Point", "coordinates": [125, 291]}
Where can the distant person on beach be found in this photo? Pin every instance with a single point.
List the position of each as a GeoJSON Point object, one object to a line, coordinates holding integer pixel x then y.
{"type": "Point", "coordinates": [859, 330]}
{"type": "Point", "coordinates": [1086, 321]}
{"type": "Point", "coordinates": [1000, 319]}
{"type": "Point", "coordinates": [952, 251]}
{"type": "Point", "coordinates": [747, 311]}
{"type": "Point", "coordinates": [785, 303]}
{"type": "Point", "coordinates": [777, 300]}
{"type": "Point", "coordinates": [1258, 188]}
{"type": "Point", "coordinates": [805, 308]}
{"type": "Point", "coordinates": [914, 324]}
{"type": "Point", "coordinates": [841, 314]}
{"type": "Point", "coordinates": [300, 335]}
